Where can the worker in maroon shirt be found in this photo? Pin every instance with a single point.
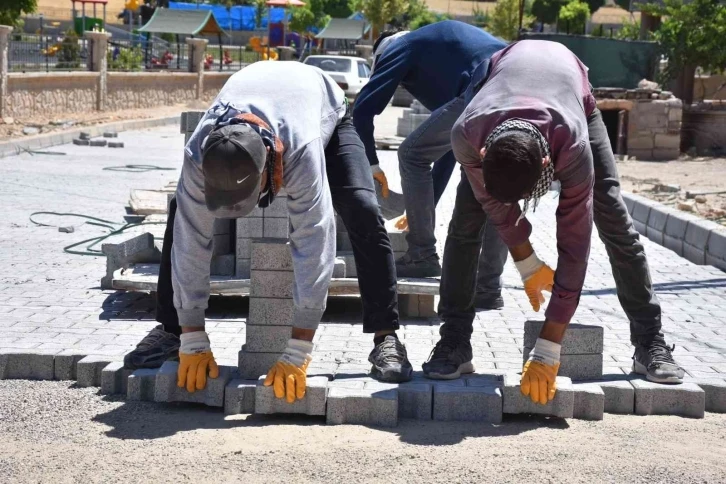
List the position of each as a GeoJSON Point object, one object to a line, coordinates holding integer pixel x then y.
{"type": "Point", "coordinates": [532, 121]}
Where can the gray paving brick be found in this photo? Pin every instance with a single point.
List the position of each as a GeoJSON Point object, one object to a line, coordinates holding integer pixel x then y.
{"type": "Point", "coordinates": [589, 401]}
{"type": "Point", "coordinates": [579, 338]}
{"type": "Point", "coordinates": [339, 268]}
{"type": "Point", "coordinates": [244, 247]}
{"type": "Point", "coordinates": [416, 305]}
{"type": "Point", "coordinates": [619, 396]}
{"type": "Point", "coordinates": [266, 311]}
{"type": "Point", "coordinates": [223, 265]}
{"type": "Point", "coordinates": [141, 384]}
{"type": "Point", "coordinates": [514, 402]}
{"type": "Point", "coordinates": [88, 370]}
{"type": "Point", "coordinates": [114, 378]}
{"type": "Point", "coordinates": [715, 394]}
{"type": "Point", "coordinates": [278, 209]}
{"type": "Point", "coordinates": [267, 338]}
{"type": "Point", "coordinates": [271, 284]}
{"type": "Point", "coordinates": [577, 367]}
{"type": "Point", "coordinates": [322, 368]}
{"type": "Point", "coordinates": [686, 399]}
{"type": "Point", "coordinates": [65, 366]}
{"type": "Point", "coordinates": [415, 401]}
{"type": "Point", "coordinates": [166, 389]}
{"type": "Point", "coordinates": [313, 403]}
{"type": "Point", "coordinates": [271, 255]}
{"type": "Point", "coordinates": [19, 364]}
{"type": "Point", "coordinates": [468, 403]}
{"type": "Point", "coordinates": [242, 268]}
{"type": "Point", "coordinates": [249, 227]}
{"type": "Point", "coordinates": [239, 397]}
{"type": "Point", "coordinates": [278, 228]}
{"type": "Point", "coordinates": [342, 242]}
{"type": "Point", "coordinates": [362, 407]}
{"type": "Point", "coordinates": [398, 240]}
{"type": "Point", "coordinates": [252, 365]}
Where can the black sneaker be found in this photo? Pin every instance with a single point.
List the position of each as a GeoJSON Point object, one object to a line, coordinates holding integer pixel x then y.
{"type": "Point", "coordinates": [655, 361]}
{"type": "Point", "coordinates": [486, 302]}
{"type": "Point", "coordinates": [450, 358]}
{"type": "Point", "coordinates": [156, 347]}
{"type": "Point", "coordinates": [390, 362]}
{"type": "Point", "coordinates": [407, 267]}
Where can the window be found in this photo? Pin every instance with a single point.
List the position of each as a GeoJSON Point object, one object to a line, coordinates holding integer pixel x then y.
{"type": "Point", "coordinates": [329, 64]}
{"type": "Point", "coordinates": [363, 70]}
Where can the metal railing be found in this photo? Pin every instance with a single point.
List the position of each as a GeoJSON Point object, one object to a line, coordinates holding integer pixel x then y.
{"type": "Point", "coordinates": [35, 53]}
{"type": "Point", "coordinates": [138, 55]}
{"type": "Point", "coordinates": [229, 57]}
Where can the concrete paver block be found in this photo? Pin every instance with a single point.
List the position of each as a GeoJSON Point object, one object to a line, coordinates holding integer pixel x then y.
{"type": "Point", "coordinates": [350, 268]}
{"type": "Point", "coordinates": [252, 365]}
{"type": "Point", "coordinates": [271, 284]}
{"type": "Point", "coordinates": [685, 399]}
{"type": "Point", "coordinates": [223, 265]}
{"type": "Point", "coordinates": [579, 339]}
{"type": "Point", "coordinates": [139, 249]}
{"type": "Point", "coordinates": [98, 142]}
{"type": "Point", "coordinates": [619, 396]}
{"type": "Point", "coordinates": [577, 367]}
{"type": "Point", "coordinates": [65, 366]}
{"type": "Point", "coordinates": [115, 144]}
{"type": "Point", "coordinates": [239, 397]}
{"type": "Point", "coordinates": [342, 242]}
{"type": "Point", "coordinates": [514, 402]}
{"type": "Point", "coordinates": [267, 339]}
{"type": "Point", "coordinates": [416, 305]}
{"type": "Point", "coordinates": [166, 389]}
{"type": "Point", "coordinates": [271, 255]}
{"type": "Point", "coordinates": [339, 268]}
{"type": "Point", "coordinates": [398, 240]}
{"type": "Point", "coordinates": [278, 228]}
{"type": "Point", "coordinates": [362, 407]}
{"type": "Point", "coordinates": [278, 208]}
{"type": "Point", "coordinates": [114, 378]}
{"type": "Point", "coordinates": [415, 400]}
{"type": "Point", "coordinates": [313, 403]}
{"type": "Point", "coordinates": [27, 366]}
{"type": "Point", "coordinates": [88, 370]}
{"type": "Point", "coordinates": [589, 401]}
{"type": "Point", "coordinates": [249, 227]}
{"type": "Point", "coordinates": [274, 312]}
{"type": "Point", "coordinates": [715, 394]}
{"type": "Point", "coordinates": [140, 385]}
{"type": "Point", "coordinates": [478, 403]}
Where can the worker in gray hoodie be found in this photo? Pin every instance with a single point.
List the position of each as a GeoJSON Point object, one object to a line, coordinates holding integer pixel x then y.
{"type": "Point", "coordinates": [274, 125]}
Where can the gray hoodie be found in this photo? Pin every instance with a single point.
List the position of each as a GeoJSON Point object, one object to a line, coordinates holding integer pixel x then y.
{"type": "Point", "coordinates": [303, 106]}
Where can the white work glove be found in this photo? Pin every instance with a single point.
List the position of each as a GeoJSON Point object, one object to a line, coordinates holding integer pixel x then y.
{"type": "Point", "coordinates": [539, 375]}
{"type": "Point", "coordinates": [537, 277]}
{"type": "Point", "coordinates": [289, 373]}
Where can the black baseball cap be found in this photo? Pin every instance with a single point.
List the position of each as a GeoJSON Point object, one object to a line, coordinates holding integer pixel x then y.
{"type": "Point", "coordinates": [233, 162]}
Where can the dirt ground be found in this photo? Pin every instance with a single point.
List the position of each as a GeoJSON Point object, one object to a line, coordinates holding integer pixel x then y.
{"type": "Point", "coordinates": [669, 182]}
{"type": "Point", "coordinates": [54, 432]}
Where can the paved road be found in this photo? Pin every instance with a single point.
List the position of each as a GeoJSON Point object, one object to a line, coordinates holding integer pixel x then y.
{"type": "Point", "coordinates": [51, 302]}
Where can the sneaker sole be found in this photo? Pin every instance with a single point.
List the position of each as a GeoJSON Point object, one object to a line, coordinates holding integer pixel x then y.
{"type": "Point", "coordinates": [392, 377]}
{"type": "Point", "coordinates": [464, 368]}
{"type": "Point", "coordinates": [641, 370]}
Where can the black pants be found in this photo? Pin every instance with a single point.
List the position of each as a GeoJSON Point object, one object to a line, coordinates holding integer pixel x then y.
{"type": "Point", "coordinates": [354, 199]}
{"type": "Point", "coordinates": [614, 225]}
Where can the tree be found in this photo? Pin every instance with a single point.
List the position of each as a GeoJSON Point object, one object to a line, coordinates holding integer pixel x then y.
{"type": "Point", "coordinates": [690, 36]}
{"type": "Point", "coordinates": [629, 31]}
{"type": "Point", "coordinates": [260, 12]}
{"type": "Point", "coordinates": [380, 12]}
{"type": "Point", "coordinates": [574, 15]}
{"type": "Point", "coordinates": [12, 10]}
{"type": "Point", "coordinates": [547, 11]}
{"type": "Point", "coordinates": [505, 19]}
{"type": "Point", "coordinates": [338, 8]}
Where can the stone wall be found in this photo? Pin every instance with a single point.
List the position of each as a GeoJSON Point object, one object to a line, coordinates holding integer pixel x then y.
{"type": "Point", "coordinates": [654, 129]}
{"type": "Point", "coordinates": [130, 90]}
{"type": "Point", "coordinates": [707, 87]}
{"type": "Point", "coordinates": [213, 82]}
{"type": "Point", "coordinates": [52, 93]}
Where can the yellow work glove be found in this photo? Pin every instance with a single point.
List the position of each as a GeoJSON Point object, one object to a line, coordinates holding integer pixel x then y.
{"type": "Point", "coordinates": [380, 177]}
{"type": "Point", "coordinates": [537, 277]}
{"type": "Point", "coordinates": [195, 360]}
{"type": "Point", "coordinates": [539, 376]}
{"type": "Point", "coordinates": [288, 376]}
{"type": "Point", "coordinates": [401, 223]}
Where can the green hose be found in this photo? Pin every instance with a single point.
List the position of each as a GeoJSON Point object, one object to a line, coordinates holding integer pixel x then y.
{"type": "Point", "coordinates": [138, 168]}
{"type": "Point", "coordinates": [92, 242]}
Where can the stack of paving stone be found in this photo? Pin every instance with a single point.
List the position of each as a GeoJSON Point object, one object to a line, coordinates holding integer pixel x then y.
{"type": "Point", "coordinates": [412, 118]}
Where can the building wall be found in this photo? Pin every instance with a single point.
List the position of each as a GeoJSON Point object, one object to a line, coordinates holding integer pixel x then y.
{"type": "Point", "coordinates": [51, 93]}
{"type": "Point", "coordinates": [129, 90]}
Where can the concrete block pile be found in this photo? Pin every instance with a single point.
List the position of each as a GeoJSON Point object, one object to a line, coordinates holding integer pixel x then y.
{"type": "Point", "coordinates": [412, 118]}
{"type": "Point", "coordinates": [270, 222]}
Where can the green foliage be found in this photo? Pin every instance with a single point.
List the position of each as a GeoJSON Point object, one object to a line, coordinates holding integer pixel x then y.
{"type": "Point", "coordinates": [260, 12]}
{"type": "Point", "coordinates": [546, 11]}
{"type": "Point", "coordinates": [574, 15]}
{"type": "Point", "coordinates": [338, 8]}
{"type": "Point", "coordinates": [629, 31]}
{"type": "Point", "coordinates": [301, 19]}
{"type": "Point", "coordinates": [481, 17]}
{"type": "Point", "coordinates": [128, 59]}
{"type": "Point", "coordinates": [381, 12]}
{"type": "Point", "coordinates": [505, 19]}
{"type": "Point", "coordinates": [12, 10]}
{"type": "Point", "coordinates": [171, 38]}
{"type": "Point", "coordinates": [691, 35]}
{"type": "Point", "coordinates": [69, 56]}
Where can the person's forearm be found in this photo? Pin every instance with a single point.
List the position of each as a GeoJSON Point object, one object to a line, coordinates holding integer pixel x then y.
{"type": "Point", "coordinates": [553, 331]}
{"type": "Point", "coordinates": [192, 329]}
{"type": "Point", "coordinates": [521, 252]}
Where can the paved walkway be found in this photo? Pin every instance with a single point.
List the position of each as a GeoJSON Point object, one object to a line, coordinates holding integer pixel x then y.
{"type": "Point", "coordinates": [50, 301]}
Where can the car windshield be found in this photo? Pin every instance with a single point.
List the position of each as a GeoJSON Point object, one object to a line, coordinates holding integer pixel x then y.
{"type": "Point", "coordinates": [330, 64]}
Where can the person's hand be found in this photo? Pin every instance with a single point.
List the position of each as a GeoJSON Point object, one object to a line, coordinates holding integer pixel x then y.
{"type": "Point", "coordinates": [537, 277]}
{"type": "Point", "coordinates": [288, 376]}
{"type": "Point", "coordinates": [539, 375]}
{"type": "Point", "coordinates": [380, 177]}
{"type": "Point", "coordinates": [401, 223]}
{"type": "Point", "coordinates": [195, 361]}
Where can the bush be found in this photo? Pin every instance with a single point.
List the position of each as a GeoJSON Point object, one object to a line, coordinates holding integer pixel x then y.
{"type": "Point", "coordinates": [128, 59]}
{"type": "Point", "coordinates": [574, 16]}
{"type": "Point", "coordinates": [69, 56]}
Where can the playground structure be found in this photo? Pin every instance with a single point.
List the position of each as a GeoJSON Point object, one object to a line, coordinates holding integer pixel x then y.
{"type": "Point", "coordinates": [83, 23]}
{"type": "Point", "coordinates": [263, 49]}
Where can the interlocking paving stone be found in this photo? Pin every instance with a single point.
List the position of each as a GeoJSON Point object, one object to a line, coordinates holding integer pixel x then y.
{"type": "Point", "coordinates": [313, 403]}
{"type": "Point", "coordinates": [267, 339]}
{"type": "Point", "coordinates": [65, 366]}
{"type": "Point", "coordinates": [468, 403]}
{"type": "Point", "coordinates": [275, 284]}
{"type": "Point", "coordinates": [239, 397]}
{"type": "Point", "coordinates": [580, 339]}
{"type": "Point", "coordinates": [685, 399]}
{"type": "Point", "coordinates": [515, 402]}
{"type": "Point", "coordinates": [715, 394]}
{"type": "Point", "coordinates": [589, 401]}
{"type": "Point", "coordinates": [141, 384]}
{"type": "Point", "coordinates": [114, 379]}
{"type": "Point", "coordinates": [362, 406]}
{"type": "Point", "coordinates": [271, 255]}
{"type": "Point", "coordinates": [577, 367]}
{"type": "Point", "coordinates": [276, 312]}
{"type": "Point", "coordinates": [166, 389]}
{"type": "Point", "coordinates": [88, 370]}
{"type": "Point", "coordinates": [20, 364]}
{"type": "Point", "coordinates": [252, 365]}
{"type": "Point", "coordinates": [619, 395]}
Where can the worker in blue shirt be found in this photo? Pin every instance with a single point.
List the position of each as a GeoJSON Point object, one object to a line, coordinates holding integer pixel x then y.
{"type": "Point", "coordinates": [439, 64]}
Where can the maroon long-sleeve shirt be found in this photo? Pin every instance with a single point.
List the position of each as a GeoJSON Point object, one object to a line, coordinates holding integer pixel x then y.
{"type": "Point", "coordinates": [545, 84]}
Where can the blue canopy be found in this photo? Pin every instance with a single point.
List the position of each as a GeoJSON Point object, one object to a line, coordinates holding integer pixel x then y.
{"type": "Point", "coordinates": [236, 18]}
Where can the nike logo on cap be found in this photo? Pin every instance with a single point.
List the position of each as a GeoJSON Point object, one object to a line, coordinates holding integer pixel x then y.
{"type": "Point", "coordinates": [240, 181]}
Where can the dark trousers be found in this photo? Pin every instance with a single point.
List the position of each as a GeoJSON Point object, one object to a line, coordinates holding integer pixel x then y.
{"type": "Point", "coordinates": [614, 225]}
{"type": "Point", "coordinates": [354, 199]}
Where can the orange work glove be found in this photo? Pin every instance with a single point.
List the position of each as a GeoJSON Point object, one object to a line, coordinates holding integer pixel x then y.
{"type": "Point", "coordinates": [539, 376]}
{"type": "Point", "coordinates": [537, 277]}
{"type": "Point", "coordinates": [289, 374]}
{"type": "Point", "coordinates": [195, 361]}
{"type": "Point", "coordinates": [380, 177]}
